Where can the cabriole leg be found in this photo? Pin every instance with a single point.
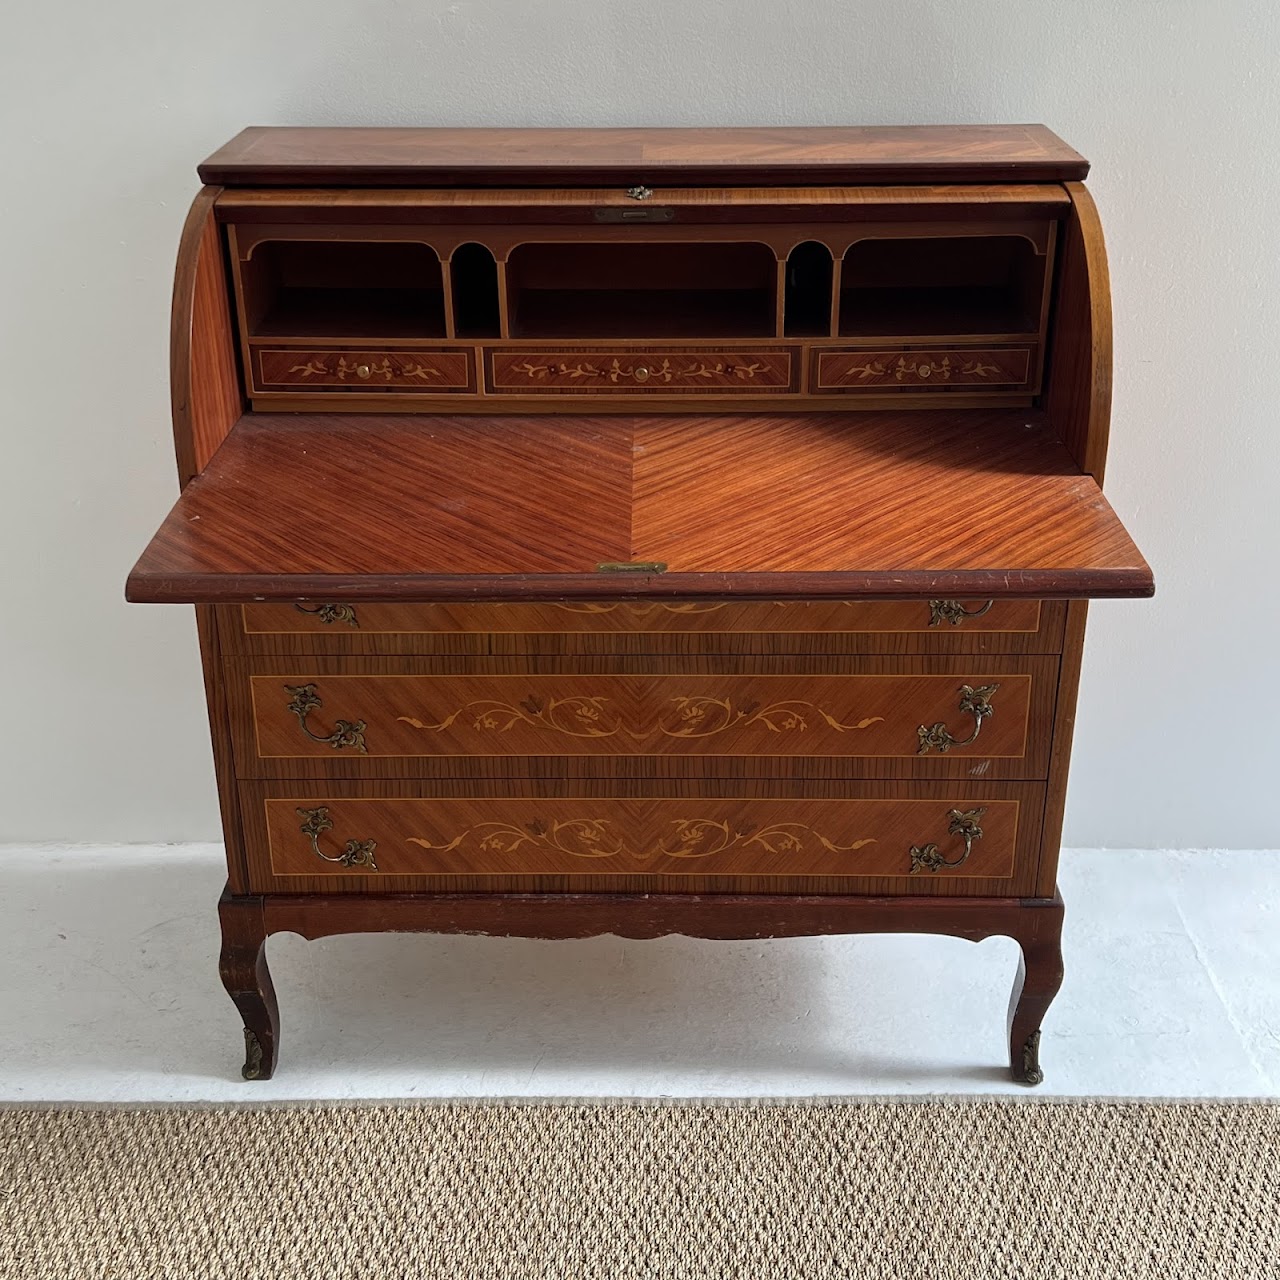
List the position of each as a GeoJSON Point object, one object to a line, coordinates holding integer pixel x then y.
{"type": "Point", "coordinates": [1038, 979]}
{"type": "Point", "coordinates": [243, 968]}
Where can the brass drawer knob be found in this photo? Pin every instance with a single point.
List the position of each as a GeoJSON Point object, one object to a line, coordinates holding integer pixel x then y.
{"type": "Point", "coordinates": [641, 373]}
{"type": "Point", "coordinates": [363, 371]}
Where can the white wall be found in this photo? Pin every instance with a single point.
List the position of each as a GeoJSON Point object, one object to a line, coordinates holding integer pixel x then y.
{"type": "Point", "coordinates": [108, 107]}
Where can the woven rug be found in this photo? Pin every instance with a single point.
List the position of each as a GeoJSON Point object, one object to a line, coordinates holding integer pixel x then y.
{"type": "Point", "coordinates": [927, 1190]}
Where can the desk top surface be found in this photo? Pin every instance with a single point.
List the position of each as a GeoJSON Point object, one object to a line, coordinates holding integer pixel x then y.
{"type": "Point", "coordinates": [975, 503]}
{"type": "Point", "coordinates": [261, 156]}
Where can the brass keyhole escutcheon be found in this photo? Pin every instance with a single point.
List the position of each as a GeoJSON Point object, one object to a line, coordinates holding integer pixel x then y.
{"type": "Point", "coordinates": [363, 371]}
{"type": "Point", "coordinates": [642, 373]}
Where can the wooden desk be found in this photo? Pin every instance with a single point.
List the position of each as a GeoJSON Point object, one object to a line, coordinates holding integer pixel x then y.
{"type": "Point", "coordinates": [642, 531]}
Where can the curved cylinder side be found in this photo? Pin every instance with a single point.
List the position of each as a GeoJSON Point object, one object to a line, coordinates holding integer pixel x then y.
{"type": "Point", "coordinates": [1080, 351]}
{"type": "Point", "coordinates": [204, 380]}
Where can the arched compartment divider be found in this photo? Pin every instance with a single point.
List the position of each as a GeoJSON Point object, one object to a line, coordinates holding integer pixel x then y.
{"type": "Point", "coordinates": [476, 310]}
{"type": "Point", "coordinates": [807, 299]}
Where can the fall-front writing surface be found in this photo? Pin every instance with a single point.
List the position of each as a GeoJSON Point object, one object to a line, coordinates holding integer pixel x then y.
{"type": "Point", "coordinates": [982, 503]}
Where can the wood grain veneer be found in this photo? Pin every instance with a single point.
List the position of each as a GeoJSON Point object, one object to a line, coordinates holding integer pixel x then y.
{"type": "Point", "coordinates": [719, 205]}
{"type": "Point", "coordinates": [639, 628]}
{"type": "Point", "coordinates": [974, 504]}
{"type": "Point", "coordinates": [682, 206]}
{"type": "Point", "coordinates": [392, 812]}
{"type": "Point", "coordinates": [300, 157]}
{"type": "Point", "coordinates": [779, 839]}
{"type": "Point", "coordinates": [1079, 396]}
{"type": "Point", "coordinates": [861, 369]}
{"type": "Point", "coordinates": [205, 401]}
{"type": "Point", "coordinates": [637, 717]}
{"type": "Point", "coordinates": [643, 369]}
{"type": "Point", "coordinates": [204, 381]}
{"type": "Point", "coordinates": [349, 370]}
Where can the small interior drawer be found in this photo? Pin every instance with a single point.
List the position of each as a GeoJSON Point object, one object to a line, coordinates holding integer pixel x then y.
{"type": "Point", "coordinates": [924, 369]}
{"type": "Point", "coordinates": [640, 370]}
{"type": "Point", "coordinates": [369, 370]}
{"type": "Point", "coordinates": [934, 839]}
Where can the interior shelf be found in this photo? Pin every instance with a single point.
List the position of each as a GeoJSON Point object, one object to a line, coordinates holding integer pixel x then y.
{"type": "Point", "coordinates": [343, 289]}
{"type": "Point", "coordinates": [642, 313]}
{"type": "Point", "coordinates": [941, 285]}
{"type": "Point", "coordinates": [901, 313]}
{"type": "Point", "coordinates": [644, 290]}
{"type": "Point", "coordinates": [358, 313]}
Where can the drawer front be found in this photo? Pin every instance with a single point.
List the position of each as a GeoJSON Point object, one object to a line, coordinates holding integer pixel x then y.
{"type": "Point", "coordinates": [974, 721]}
{"type": "Point", "coordinates": [818, 627]}
{"type": "Point", "coordinates": [625, 617]}
{"type": "Point", "coordinates": [639, 370]}
{"type": "Point", "coordinates": [415, 371]}
{"type": "Point", "coordinates": [927, 841]}
{"type": "Point", "coordinates": [1001, 368]}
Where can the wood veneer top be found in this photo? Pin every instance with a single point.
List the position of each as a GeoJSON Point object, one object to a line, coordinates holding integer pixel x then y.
{"type": "Point", "coordinates": [974, 504]}
{"type": "Point", "coordinates": [548, 157]}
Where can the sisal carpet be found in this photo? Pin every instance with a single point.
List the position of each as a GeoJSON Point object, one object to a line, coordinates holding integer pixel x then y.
{"type": "Point", "coordinates": [918, 1190]}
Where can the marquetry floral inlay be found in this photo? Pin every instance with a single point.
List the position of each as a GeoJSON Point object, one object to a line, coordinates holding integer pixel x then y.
{"type": "Point", "coordinates": [579, 837]}
{"type": "Point", "coordinates": [641, 608]}
{"type": "Point", "coordinates": [911, 366]}
{"type": "Point", "coordinates": [639, 371]}
{"type": "Point", "coordinates": [363, 369]}
{"type": "Point", "coordinates": [704, 717]}
{"type": "Point", "coordinates": [688, 716]}
{"type": "Point", "coordinates": [596, 838]}
{"type": "Point", "coordinates": [702, 837]}
{"type": "Point", "coordinates": [578, 717]}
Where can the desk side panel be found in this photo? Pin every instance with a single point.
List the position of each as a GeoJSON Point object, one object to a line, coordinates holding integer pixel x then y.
{"type": "Point", "coordinates": [206, 400]}
{"type": "Point", "coordinates": [1078, 395]}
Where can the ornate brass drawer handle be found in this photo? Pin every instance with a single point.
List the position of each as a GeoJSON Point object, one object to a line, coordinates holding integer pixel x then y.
{"type": "Point", "coordinates": [963, 824]}
{"type": "Point", "coordinates": [954, 612]}
{"type": "Point", "coordinates": [356, 853]}
{"type": "Point", "coordinates": [346, 733]}
{"type": "Point", "coordinates": [973, 702]}
{"type": "Point", "coordinates": [330, 613]}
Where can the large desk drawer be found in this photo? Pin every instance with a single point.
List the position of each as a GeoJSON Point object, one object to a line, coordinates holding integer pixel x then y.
{"type": "Point", "coordinates": [928, 838]}
{"type": "Point", "coordinates": [876, 717]}
{"type": "Point", "coordinates": [833, 626]}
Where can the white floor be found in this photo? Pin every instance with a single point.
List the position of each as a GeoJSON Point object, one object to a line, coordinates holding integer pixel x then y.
{"type": "Point", "coordinates": [109, 992]}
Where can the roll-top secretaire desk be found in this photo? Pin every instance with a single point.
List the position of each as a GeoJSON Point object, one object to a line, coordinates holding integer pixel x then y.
{"type": "Point", "coordinates": [641, 532]}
